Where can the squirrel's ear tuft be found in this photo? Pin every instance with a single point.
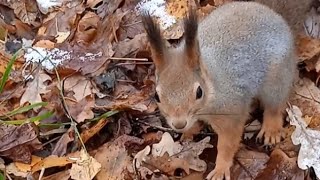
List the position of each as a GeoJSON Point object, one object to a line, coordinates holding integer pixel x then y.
{"type": "Point", "coordinates": [190, 36]}
{"type": "Point", "coordinates": [155, 39]}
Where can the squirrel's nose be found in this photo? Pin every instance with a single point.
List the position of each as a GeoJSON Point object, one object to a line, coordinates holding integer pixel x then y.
{"type": "Point", "coordinates": [179, 124]}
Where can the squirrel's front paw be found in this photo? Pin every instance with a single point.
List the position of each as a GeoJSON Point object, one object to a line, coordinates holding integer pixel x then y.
{"type": "Point", "coordinates": [219, 174]}
{"type": "Point", "coordinates": [271, 131]}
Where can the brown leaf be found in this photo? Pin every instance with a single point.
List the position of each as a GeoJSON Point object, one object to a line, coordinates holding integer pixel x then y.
{"type": "Point", "coordinates": [108, 7]}
{"type": "Point", "coordinates": [131, 25]}
{"type": "Point", "coordinates": [79, 85]}
{"type": "Point", "coordinates": [61, 146]}
{"type": "Point", "coordinates": [130, 98]}
{"type": "Point", "coordinates": [280, 166]}
{"type": "Point", "coordinates": [62, 175]}
{"type": "Point", "coordinates": [307, 47]}
{"type": "Point", "coordinates": [51, 161]}
{"type": "Point", "coordinates": [129, 48]}
{"type": "Point", "coordinates": [115, 153]}
{"type": "Point", "coordinates": [26, 11]}
{"type": "Point", "coordinates": [23, 30]}
{"type": "Point", "coordinates": [87, 28]}
{"type": "Point", "coordinates": [81, 110]}
{"type": "Point", "coordinates": [18, 142]}
{"type": "Point", "coordinates": [34, 88]}
{"type": "Point", "coordinates": [168, 164]}
{"type": "Point", "coordinates": [307, 98]}
{"type": "Point", "coordinates": [88, 133]}
{"type": "Point", "coordinates": [85, 167]}
{"type": "Point", "coordinates": [92, 3]}
{"type": "Point", "coordinates": [60, 22]}
{"type": "Point", "coordinates": [27, 167]}
{"type": "Point", "coordinates": [249, 164]}
{"type": "Point", "coordinates": [14, 91]}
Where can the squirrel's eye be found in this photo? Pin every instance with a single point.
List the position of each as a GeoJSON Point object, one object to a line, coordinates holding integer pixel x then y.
{"type": "Point", "coordinates": [156, 96]}
{"type": "Point", "coordinates": [199, 93]}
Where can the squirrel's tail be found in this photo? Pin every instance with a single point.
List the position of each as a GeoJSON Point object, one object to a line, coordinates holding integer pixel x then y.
{"type": "Point", "coordinates": [293, 11]}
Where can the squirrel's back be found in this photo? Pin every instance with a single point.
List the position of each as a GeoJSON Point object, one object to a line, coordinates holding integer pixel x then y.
{"type": "Point", "coordinates": [243, 44]}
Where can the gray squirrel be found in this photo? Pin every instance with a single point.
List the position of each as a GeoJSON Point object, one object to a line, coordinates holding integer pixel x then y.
{"type": "Point", "coordinates": [239, 52]}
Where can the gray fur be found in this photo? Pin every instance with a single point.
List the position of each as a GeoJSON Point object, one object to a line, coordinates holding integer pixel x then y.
{"type": "Point", "coordinates": [248, 50]}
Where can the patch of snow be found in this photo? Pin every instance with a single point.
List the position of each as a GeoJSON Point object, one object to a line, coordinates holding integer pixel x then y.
{"type": "Point", "coordinates": [90, 56]}
{"type": "Point", "coordinates": [48, 58]}
{"type": "Point", "coordinates": [157, 8]}
{"type": "Point", "coordinates": [46, 5]}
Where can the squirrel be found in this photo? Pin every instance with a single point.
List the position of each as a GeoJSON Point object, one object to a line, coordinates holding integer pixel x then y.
{"type": "Point", "coordinates": [241, 51]}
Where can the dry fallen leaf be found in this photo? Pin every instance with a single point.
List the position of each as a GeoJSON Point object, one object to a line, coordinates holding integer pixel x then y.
{"type": "Point", "coordinates": [61, 146]}
{"type": "Point", "coordinates": [307, 97]}
{"type": "Point", "coordinates": [307, 138]}
{"type": "Point", "coordinates": [26, 11]}
{"type": "Point", "coordinates": [131, 47]}
{"type": "Point", "coordinates": [27, 167]}
{"type": "Point", "coordinates": [248, 164]}
{"type": "Point", "coordinates": [51, 161]}
{"type": "Point", "coordinates": [18, 142]}
{"type": "Point", "coordinates": [114, 158]}
{"type": "Point", "coordinates": [62, 175]}
{"type": "Point", "coordinates": [168, 155]}
{"type": "Point", "coordinates": [85, 167]}
{"type": "Point", "coordinates": [81, 110]}
{"type": "Point", "coordinates": [88, 133]}
{"type": "Point", "coordinates": [80, 85]}
{"type": "Point", "coordinates": [87, 28]}
{"type": "Point", "coordinates": [35, 88]}
{"type": "Point", "coordinates": [280, 166]}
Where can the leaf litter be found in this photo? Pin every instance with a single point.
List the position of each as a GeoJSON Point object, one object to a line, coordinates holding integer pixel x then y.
{"type": "Point", "coordinates": [90, 62]}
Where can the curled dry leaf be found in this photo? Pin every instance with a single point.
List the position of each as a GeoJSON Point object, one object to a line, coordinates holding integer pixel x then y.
{"type": "Point", "coordinates": [308, 139]}
{"type": "Point", "coordinates": [18, 142]}
{"type": "Point", "coordinates": [114, 158]}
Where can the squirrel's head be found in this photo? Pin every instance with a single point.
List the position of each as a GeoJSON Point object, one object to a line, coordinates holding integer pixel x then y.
{"type": "Point", "coordinates": [181, 90]}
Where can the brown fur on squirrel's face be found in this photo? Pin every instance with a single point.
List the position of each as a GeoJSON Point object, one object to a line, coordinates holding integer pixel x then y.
{"type": "Point", "coordinates": [181, 90]}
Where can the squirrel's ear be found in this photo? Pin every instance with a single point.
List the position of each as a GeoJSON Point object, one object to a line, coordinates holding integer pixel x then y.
{"type": "Point", "coordinates": [191, 41]}
{"type": "Point", "coordinates": [155, 39]}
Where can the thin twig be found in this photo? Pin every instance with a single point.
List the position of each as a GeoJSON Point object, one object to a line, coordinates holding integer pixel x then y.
{"type": "Point", "coordinates": [127, 59]}
{"type": "Point", "coordinates": [127, 81]}
{"type": "Point", "coordinates": [51, 140]}
{"type": "Point", "coordinates": [130, 24]}
{"type": "Point", "coordinates": [134, 63]}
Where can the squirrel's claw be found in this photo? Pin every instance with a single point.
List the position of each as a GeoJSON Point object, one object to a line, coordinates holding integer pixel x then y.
{"type": "Point", "coordinates": [219, 174]}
